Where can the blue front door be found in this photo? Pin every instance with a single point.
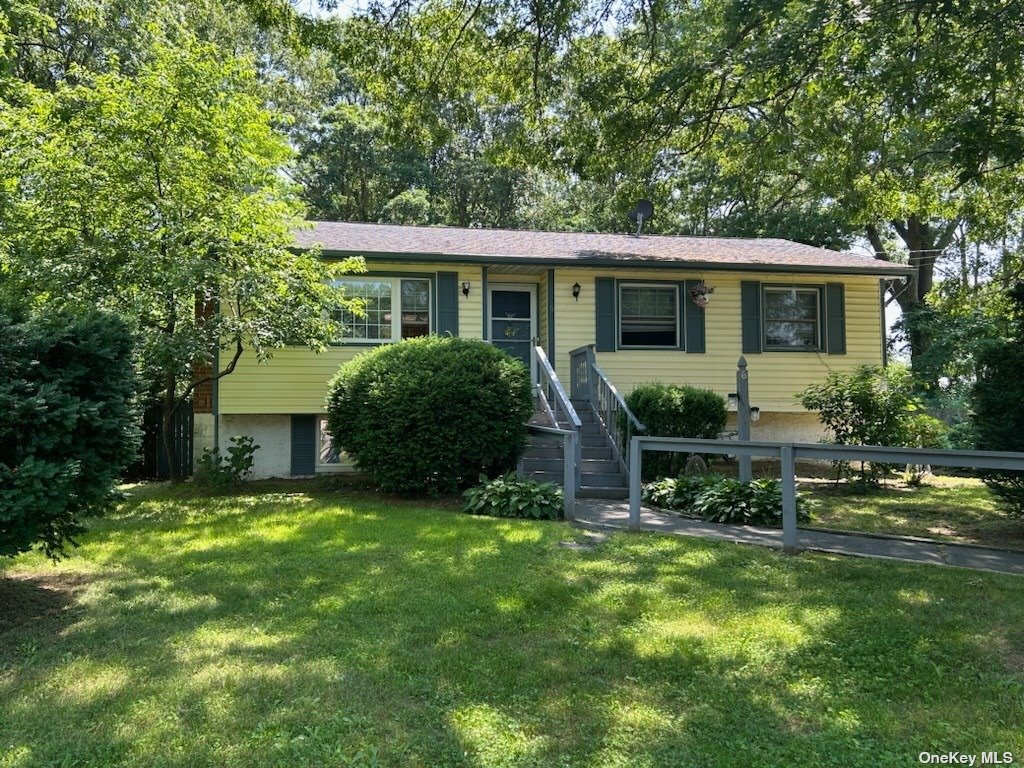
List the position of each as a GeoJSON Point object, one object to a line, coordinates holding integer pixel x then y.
{"type": "Point", "coordinates": [511, 321]}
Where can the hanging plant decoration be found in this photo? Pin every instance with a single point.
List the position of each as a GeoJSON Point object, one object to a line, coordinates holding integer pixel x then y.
{"type": "Point", "coordinates": [700, 294]}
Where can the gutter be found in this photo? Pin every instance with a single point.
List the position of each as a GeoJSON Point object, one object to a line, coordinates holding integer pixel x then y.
{"type": "Point", "coordinates": [891, 270]}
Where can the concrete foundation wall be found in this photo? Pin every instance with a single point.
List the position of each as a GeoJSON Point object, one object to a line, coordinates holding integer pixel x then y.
{"type": "Point", "coordinates": [202, 435]}
{"type": "Point", "coordinates": [273, 435]}
{"type": "Point", "coordinates": [784, 427]}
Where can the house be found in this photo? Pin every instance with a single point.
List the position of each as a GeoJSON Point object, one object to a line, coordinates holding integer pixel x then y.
{"type": "Point", "coordinates": [794, 311]}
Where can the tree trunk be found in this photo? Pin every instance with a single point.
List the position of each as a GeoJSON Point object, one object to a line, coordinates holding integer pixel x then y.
{"type": "Point", "coordinates": [924, 245]}
{"type": "Point", "coordinates": [170, 407]}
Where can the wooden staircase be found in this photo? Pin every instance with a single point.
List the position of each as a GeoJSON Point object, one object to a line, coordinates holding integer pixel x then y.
{"type": "Point", "coordinates": [601, 474]}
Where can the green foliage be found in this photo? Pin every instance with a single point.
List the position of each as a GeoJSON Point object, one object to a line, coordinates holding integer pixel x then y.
{"type": "Point", "coordinates": [724, 499]}
{"type": "Point", "coordinates": [869, 406]}
{"type": "Point", "coordinates": [679, 493]}
{"type": "Point", "coordinates": [672, 410]}
{"type": "Point", "coordinates": [68, 427]}
{"type": "Point", "coordinates": [153, 192]}
{"type": "Point", "coordinates": [218, 470]}
{"type": "Point", "coordinates": [431, 414]}
{"type": "Point", "coordinates": [510, 496]}
{"type": "Point", "coordinates": [998, 404]}
{"type": "Point", "coordinates": [923, 431]}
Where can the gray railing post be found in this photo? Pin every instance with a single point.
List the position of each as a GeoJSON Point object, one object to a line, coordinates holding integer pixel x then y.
{"type": "Point", "coordinates": [634, 483]}
{"type": "Point", "coordinates": [743, 417]}
{"type": "Point", "coordinates": [570, 479]}
{"type": "Point", "coordinates": [789, 532]}
{"type": "Point", "coordinates": [591, 365]}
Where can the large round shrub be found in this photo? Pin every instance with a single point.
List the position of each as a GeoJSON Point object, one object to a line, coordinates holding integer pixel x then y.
{"type": "Point", "coordinates": [673, 410]}
{"type": "Point", "coordinates": [67, 424]}
{"type": "Point", "coordinates": [431, 414]}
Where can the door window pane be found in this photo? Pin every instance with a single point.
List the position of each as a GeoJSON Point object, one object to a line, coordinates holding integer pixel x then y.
{"type": "Point", "coordinates": [791, 318]}
{"type": "Point", "coordinates": [648, 316]}
{"type": "Point", "coordinates": [510, 304]}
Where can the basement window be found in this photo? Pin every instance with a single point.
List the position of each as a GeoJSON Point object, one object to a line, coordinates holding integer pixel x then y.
{"type": "Point", "coordinates": [327, 454]}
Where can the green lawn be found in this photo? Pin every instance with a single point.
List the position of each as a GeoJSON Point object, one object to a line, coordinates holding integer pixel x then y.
{"type": "Point", "coordinates": [291, 626]}
{"type": "Point", "coordinates": [947, 508]}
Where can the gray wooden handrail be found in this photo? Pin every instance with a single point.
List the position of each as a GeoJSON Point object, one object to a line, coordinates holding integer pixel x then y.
{"type": "Point", "coordinates": [559, 402]}
{"type": "Point", "coordinates": [561, 399]}
{"type": "Point", "coordinates": [637, 424]}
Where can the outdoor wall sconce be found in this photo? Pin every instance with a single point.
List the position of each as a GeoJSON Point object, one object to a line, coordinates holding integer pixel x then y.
{"type": "Point", "coordinates": [465, 289]}
{"type": "Point", "coordinates": [755, 413]}
{"type": "Point", "coordinates": [576, 291]}
{"type": "Point", "coordinates": [732, 401]}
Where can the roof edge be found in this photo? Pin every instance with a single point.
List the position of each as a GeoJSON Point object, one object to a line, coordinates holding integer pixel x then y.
{"type": "Point", "coordinates": [880, 268]}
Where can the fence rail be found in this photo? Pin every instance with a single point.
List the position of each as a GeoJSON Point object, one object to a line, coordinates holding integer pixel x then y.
{"type": "Point", "coordinates": [789, 453]}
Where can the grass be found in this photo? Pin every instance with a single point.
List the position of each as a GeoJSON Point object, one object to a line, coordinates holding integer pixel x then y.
{"type": "Point", "coordinates": [957, 509]}
{"type": "Point", "coordinates": [292, 626]}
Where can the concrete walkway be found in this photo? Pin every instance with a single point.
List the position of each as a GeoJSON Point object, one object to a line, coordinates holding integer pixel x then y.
{"type": "Point", "coordinates": [602, 514]}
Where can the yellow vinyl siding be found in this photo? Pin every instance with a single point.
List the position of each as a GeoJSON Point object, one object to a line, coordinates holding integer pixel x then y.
{"type": "Point", "coordinates": [775, 377]}
{"type": "Point", "coordinates": [295, 379]}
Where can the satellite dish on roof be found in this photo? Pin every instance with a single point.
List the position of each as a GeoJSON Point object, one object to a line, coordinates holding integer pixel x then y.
{"type": "Point", "coordinates": [644, 211]}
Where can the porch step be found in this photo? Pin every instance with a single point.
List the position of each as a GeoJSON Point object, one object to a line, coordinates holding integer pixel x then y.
{"type": "Point", "coordinates": [543, 452]}
{"type": "Point", "coordinates": [603, 480]}
{"type": "Point", "coordinates": [587, 427]}
{"type": "Point", "coordinates": [531, 465]}
{"type": "Point", "coordinates": [601, 492]}
{"type": "Point", "coordinates": [593, 452]}
{"type": "Point", "coordinates": [595, 468]}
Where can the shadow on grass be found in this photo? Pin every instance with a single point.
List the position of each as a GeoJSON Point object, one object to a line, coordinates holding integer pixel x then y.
{"type": "Point", "coordinates": [293, 628]}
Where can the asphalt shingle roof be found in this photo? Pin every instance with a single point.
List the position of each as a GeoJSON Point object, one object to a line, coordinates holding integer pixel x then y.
{"type": "Point", "coordinates": [583, 248]}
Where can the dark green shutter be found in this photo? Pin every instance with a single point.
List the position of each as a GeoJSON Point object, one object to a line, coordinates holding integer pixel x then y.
{"type": "Point", "coordinates": [693, 318]}
{"type": "Point", "coordinates": [551, 317]}
{"type": "Point", "coordinates": [604, 297]}
{"type": "Point", "coordinates": [750, 312]}
{"type": "Point", "coordinates": [835, 319]}
{"type": "Point", "coordinates": [448, 303]}
{"type": "Point", "coordinates": [303, 444]}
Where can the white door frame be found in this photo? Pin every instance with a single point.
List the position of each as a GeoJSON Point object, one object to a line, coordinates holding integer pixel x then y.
{"type": "Point", "coordinates": [531, 288]}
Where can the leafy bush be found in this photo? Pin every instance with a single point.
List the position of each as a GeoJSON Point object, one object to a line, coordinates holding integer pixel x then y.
{"type": "Point", "coordinates": [215, 469]}
{"type": "Point", "coordinates": [725, 499]}
{"type": "Point", "coordinates": [869, 406]}
{"type": "Point", "coordinates": [923, 431]}
{"type": "Point", "coordinates": [68, 428]}
{"type": "Point", "coordinates": [997, 400]}
{"type": "Point", "coordinates": [431, 414]}
{"type": "Point", "coordinates": [672, 410]}
{"type": "Point", "coordinates": [676, 493]}
{"type": "Point", "coordinates": [509, 496]}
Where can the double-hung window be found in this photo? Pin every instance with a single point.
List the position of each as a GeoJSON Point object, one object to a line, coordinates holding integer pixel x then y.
{"type": "Point", "coordinates": [393, 308]}
{"type": "Point", "coordinates": [792, 318]}
{"type": "Point", "coordinates": [649, 316]}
